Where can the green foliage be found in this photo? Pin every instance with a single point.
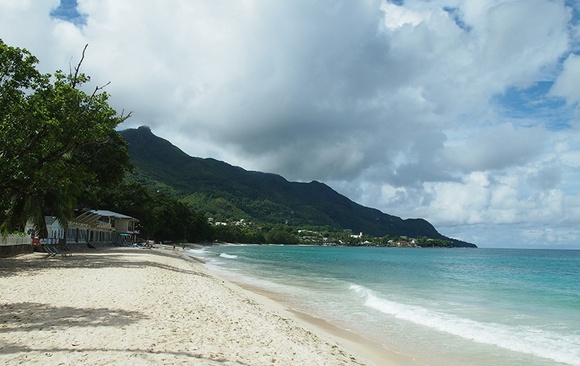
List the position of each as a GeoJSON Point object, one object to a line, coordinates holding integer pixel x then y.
{"type": "Point", "coordinates": [281, 235]}
{"type": "Point", "coordinates": [437, 243]}
{"type": "Point", "coordinates": [56, 141]}
{"type": "Point", "coordinates": [161, 217]}
{"type": "Point", "coordinates": [218, 208]}
{"type": "Point", "coordinates": [253, 234]}
{"type": "Point", "coordinates": [229, 234]}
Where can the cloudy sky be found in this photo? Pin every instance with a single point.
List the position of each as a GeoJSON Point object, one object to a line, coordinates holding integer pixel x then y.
{"type": "Point", "coordinates": [465, 113]}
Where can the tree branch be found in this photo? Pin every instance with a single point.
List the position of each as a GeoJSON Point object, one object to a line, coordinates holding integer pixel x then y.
{"type": "Point", "coordinates": [124, 117]}
{"type": "Point", "coordinates": [78, 68]}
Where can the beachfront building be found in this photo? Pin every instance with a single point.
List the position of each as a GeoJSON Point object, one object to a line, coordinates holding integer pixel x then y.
{"type": "Point", "coordinates": [91, 227]}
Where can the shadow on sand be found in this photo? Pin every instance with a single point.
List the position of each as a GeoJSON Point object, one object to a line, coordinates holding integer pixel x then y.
{"type": "Point", "coordinates": [128, 354]}
{"type": "Point", "coordinates": [32, 264]}
{"type": "Point", "coordinates": [30, 317]}
{"type": "Point", "coordinates": [26, 316]}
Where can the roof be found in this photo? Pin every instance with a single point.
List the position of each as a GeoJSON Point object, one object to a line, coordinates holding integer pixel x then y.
{"type": "Point", "coordinates": [111, 214]}
{"type": "Point", "coordinates": [91, 217]}
{"type": "Point", "coordinates": [50, 220]}
{"type": "Point", "coordinates": [86, 218]}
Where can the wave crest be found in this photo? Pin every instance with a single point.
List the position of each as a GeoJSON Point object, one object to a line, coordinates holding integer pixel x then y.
{"type": "Point", "coordinates": [521, 339]}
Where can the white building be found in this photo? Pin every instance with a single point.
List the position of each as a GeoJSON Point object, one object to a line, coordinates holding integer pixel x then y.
{"type": "Point", "coordinates": [95, 226]}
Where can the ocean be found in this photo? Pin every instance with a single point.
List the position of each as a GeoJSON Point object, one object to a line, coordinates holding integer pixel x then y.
{"type": "Point", "coordinates": [442, 306]}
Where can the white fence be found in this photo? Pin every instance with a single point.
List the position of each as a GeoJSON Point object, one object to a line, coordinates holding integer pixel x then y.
{"type": "Point", "coordinates": [15, 240]}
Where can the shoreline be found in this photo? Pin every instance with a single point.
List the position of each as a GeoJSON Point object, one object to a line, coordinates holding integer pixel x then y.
{"type": "Point", "coordinates": [125, 305]}
{"type": "Point", "coordinates": [370, 351]}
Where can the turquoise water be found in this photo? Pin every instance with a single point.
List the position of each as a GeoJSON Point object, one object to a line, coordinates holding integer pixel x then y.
{"type": "Point", "coordinates": [442, 306]}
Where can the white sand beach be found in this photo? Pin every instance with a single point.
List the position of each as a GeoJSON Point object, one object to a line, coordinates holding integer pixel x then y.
{"type": "Point", "coordinates": [152, 307]}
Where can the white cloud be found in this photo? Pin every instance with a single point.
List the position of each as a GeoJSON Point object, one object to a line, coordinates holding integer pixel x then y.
{"type": "Point", "coordinates": [566, 86]}
{"type": "Point", "coordinates": [393, 104]}
{"type": "Point", "coordinates": [496, 147]}
{"type": "Point", "coordinates": [399, 16]}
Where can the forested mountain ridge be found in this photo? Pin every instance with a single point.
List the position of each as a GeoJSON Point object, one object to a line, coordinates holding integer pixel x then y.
{"type": "Point", "coordinates": [226, 192]}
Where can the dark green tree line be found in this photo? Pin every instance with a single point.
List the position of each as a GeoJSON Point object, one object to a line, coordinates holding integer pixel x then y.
{"type": "Point", "coordinates": [160, 217]}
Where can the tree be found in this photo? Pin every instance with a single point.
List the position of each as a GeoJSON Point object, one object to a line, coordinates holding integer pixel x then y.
{"type": "Point", "coordinates": [281, 235]}
{"type": "Point", "coordinates": [160, 217]}
{"type": "Point", "coordinates": [56, 141]}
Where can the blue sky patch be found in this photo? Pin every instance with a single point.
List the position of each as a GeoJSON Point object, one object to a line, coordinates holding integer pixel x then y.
{"type": "Point", "coordinates": [67, 10]}
{"type": "Point", "coordinates": [456, 15]}
{"type": "Point", "coordinates": [536, 103]}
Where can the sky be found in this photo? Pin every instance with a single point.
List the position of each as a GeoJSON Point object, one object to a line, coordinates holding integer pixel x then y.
{"type": "Point", "coordinates": [464, 113]}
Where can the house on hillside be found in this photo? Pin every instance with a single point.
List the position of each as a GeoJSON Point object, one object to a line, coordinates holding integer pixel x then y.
{"type": "Point", "coordinates": [359, 236]}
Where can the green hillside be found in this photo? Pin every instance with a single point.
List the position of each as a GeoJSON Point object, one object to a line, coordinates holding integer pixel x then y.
{"type": "Point", "coordinates": [225, 192]}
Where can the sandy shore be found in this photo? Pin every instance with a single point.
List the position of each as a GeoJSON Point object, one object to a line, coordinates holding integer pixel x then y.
{"type": "Point", "coordinates": [143, 307]}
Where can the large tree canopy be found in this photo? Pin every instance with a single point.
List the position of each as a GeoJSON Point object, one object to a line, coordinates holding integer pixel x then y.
{"type": "Point", "coordinates": [161, 217]}
{"type": "Point", "coordinates": [57, 142]}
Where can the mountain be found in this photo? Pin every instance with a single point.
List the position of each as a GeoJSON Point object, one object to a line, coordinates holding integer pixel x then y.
{"type": "Point", "coordinates": [227, 192]}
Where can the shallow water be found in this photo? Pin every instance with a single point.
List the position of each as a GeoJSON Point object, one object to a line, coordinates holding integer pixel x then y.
{"type": "Point", "coordinates": [443, 306]}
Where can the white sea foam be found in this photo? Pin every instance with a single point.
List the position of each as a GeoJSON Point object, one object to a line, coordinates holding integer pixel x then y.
{"type": "Point", "coordinates": [537, 342]}
{"type": "Point", "coordinates": [228, 256]}
{"type": "Point", "coordinates": [196, 252]}
{"type": "Point", "coordinates": [199, 254]}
